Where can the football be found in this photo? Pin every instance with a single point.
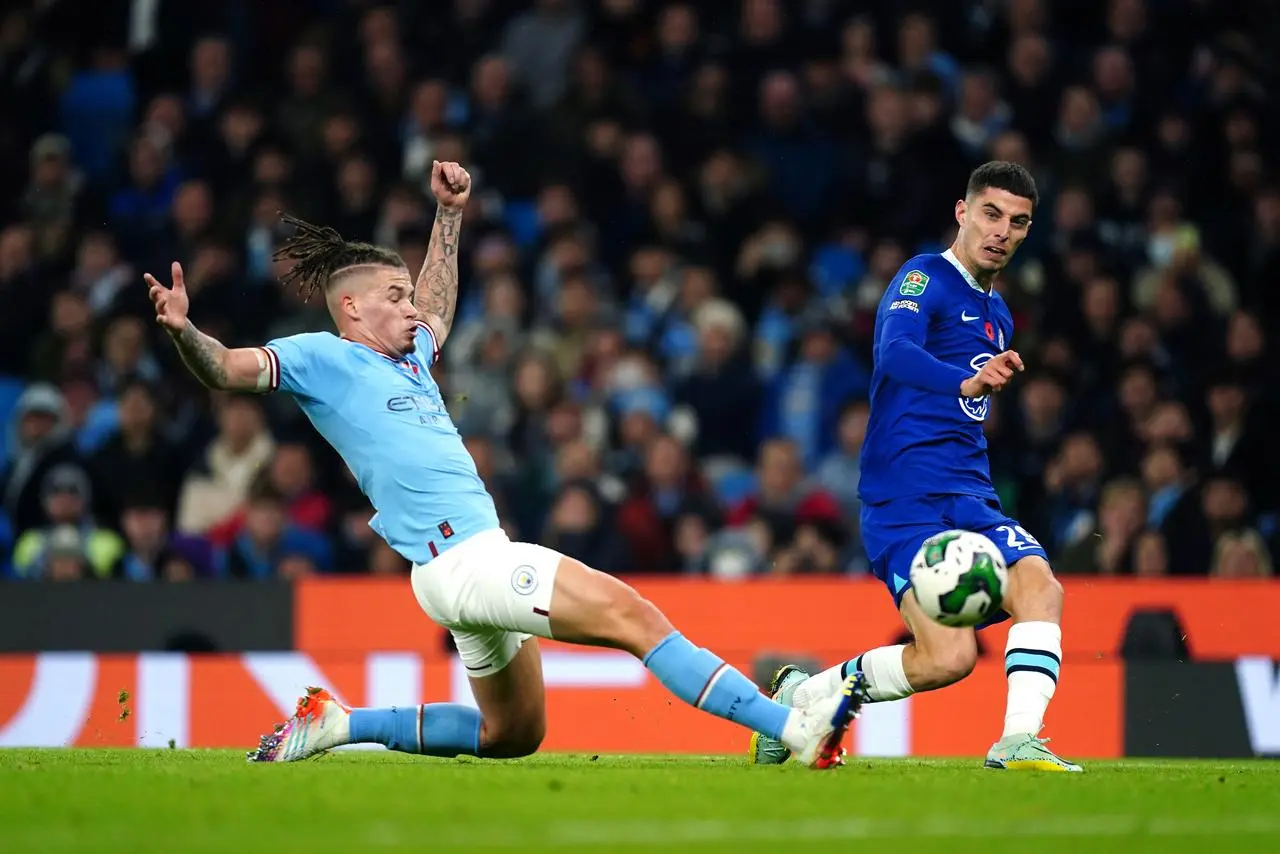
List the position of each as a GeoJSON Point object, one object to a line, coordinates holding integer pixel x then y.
{"type": "Point", "coordinates": [959, 578]}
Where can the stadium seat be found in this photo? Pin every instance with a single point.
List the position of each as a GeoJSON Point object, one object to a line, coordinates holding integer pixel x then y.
{"type": "Point", "coordinates": [97, 116]}
{"type": "Point", "coordinates": [733, 485]}
{"type": "Point", "coordinates": [835, 268]}
{"type": "Point", "coordinates": [99, 425]}
{"type": "Point", "coordinates": [520, 216]}
{"type": "Point", "coordinates": [11, 388]}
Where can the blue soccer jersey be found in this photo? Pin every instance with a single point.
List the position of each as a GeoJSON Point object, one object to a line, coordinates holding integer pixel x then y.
{"type": "Point", "coordinates": [935, 328]}
{"type": "Point", "coordinates": [387, 420]}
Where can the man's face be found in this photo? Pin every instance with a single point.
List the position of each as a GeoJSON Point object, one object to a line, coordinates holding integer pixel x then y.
{"type": "Point", "coordinates": [35, 425]}
{"type": "Point", "coordinates": [380, 301]}
{"type": "Point", "coordinates": [137, 411]}
{"type": "Point", "coordinates": [993, 225]}
{"type": "Point", "coordinates": [265, 521]}
{"type": "Point", "coordinates": [145, 528]}
{"type": "Point", "coordinates": [65, 506]}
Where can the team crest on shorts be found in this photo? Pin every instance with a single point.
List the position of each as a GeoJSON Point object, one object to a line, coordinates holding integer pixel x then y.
{"type": "Point", "coordinates": [524, 580]}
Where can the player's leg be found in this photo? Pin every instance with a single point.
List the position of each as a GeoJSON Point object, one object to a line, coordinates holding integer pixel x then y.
{"type": "Point", "coordinates": [490, 584]}
{"type": "Point", "coordinates": [512, 700]}
{"type": "Point", "coordinates": [505, 672]}
{"type": "Point", "coordinates": [1033, 652]}
{"type": "Point", "coordinates": [935, 656]}
{"type": "Point", "coordinates": [504, 667]}
{"type": "Point", "coordinates": [506, 680]}
{"type": "Point", "coordinates": [592, 608]}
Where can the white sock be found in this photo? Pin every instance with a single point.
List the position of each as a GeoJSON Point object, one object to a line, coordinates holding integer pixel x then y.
{"type": "Point", "coordinates": [1032, 658]}
{"type": "Point", "coordinates": [882, 667]}
{"type": "Point", "coordinates": [794, 735]}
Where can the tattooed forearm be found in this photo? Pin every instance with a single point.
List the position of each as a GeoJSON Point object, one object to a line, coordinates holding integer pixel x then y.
{"type": "Point", "coordinates": [204, 356]}
{"type": "Point", "coordinates": [436, 295]}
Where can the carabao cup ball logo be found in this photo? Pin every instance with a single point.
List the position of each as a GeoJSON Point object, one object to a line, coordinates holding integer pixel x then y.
{"type": "Point", "coordinates": [977, 407]}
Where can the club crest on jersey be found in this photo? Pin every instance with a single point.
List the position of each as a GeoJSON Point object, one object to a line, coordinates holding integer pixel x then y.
{"type": "Point", "coordinates": [977, 408]}
{"type": "Point", "coordinates": [1001, 341]}
{"type": "Point", "coordinates": [913, 284]}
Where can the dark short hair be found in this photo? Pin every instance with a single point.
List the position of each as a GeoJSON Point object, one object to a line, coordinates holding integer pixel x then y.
{"type": "Point", "coordinates": [1003, 175]}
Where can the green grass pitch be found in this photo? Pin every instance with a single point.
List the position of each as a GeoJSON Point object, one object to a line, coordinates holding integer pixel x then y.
{"type": "Point", "coordinates": [189, 802]}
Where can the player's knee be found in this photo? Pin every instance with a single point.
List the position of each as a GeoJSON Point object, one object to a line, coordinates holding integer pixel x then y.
{"type": "Point", "coordinates": [637, 623]}
{"type": "Point", "coordinates": [513, 740]}
{"type": "Point", "coordinates": [1035, 593]}
{"type": "Point", "coordinates": [948, 663]}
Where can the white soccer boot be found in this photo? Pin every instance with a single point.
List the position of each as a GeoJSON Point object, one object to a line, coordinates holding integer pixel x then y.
{"type": "Point", "coordinates": [823, 725]}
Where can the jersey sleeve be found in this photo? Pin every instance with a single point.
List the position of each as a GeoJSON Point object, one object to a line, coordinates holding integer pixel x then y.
{"type": "Point", "coordinates": [311, 366]}
{"type": "Point", "coordinates": [427, 344]}
{"type": "Point", "coordinates": [908, 309]}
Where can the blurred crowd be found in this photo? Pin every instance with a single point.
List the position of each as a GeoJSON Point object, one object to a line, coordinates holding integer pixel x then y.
{"type": "Point", "coordinates": [685, 213]}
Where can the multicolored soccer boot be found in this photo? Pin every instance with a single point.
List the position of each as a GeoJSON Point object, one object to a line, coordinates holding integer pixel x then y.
{"type": "Point", "coordinates": [319, 724]}
{"type": "Point", "coordinates": [1026, 752]}
{"type": "Point", "coordinates": [782, 688]}
{"type": "Point", "coordinates": [825, 723]}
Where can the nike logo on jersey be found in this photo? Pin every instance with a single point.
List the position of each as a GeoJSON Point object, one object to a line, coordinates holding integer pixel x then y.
{"type": "Point", "coordinates": [965, 316]}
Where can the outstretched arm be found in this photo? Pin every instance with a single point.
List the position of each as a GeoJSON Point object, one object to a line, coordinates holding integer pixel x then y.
{"type": "Point", "coordinates": [436, 292]}
{"type": "Point", "coordinates": [216, 366]}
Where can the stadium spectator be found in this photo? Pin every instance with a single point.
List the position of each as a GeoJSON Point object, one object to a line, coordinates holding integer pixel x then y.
{"type": "Point", "coordinates": [153, 551]}
{"type": "Point", "coordinates": [269, 544]}
{"type": "Point", "coordinates": [39, 442]}
{"type": "Point", "coordinates": [667, 491]}
{"type": "Point", "coordinates": [684, 216]}
{"type": "Point", "coordinates": [218, 484]}
{"type": "Point", "coordinates": [67, 500]}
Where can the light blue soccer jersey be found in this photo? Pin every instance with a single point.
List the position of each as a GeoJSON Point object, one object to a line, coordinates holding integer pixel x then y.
{"type": "Point", "coordinates": [387, 420]}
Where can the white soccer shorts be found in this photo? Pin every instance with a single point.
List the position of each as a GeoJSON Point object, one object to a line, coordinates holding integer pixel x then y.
{"type": "Point", "coordinates": [492, 594]}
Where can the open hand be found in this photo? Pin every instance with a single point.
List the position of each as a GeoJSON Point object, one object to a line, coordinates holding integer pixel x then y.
{"type": "Point", "coordinates": [450, 184]}
{"type": "Point", "coordinates": [993, 376]}
{"type": "Point", "coordinates": [171, 303]}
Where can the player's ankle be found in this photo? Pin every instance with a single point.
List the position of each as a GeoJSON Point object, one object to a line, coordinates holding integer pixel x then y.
{"type": "Point", "coordinates": [795, 732]}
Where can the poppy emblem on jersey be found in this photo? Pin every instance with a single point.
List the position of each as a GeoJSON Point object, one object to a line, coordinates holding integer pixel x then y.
{"type": "Point", "coordinates": [913, 284]}
{"type": "Point", "coordinates": [446, 530]}
{"type": "Point", "coordinates": [991, 332]}
{"type": "Point", "coordinates": [524, 580]}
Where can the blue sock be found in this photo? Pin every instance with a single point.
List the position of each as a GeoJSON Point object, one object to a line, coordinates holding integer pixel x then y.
{"type": "Point", "coordinates": [436, 729]}
{"type": "Point", "coordinates": [703, 680]}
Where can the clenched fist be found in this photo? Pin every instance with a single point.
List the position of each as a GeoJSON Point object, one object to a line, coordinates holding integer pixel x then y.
{"type": "Point", "coordinates": [450, 184]}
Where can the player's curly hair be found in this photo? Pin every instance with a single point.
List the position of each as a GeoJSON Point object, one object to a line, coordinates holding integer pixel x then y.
{"type": "Point", "coordinates": [320, 252]}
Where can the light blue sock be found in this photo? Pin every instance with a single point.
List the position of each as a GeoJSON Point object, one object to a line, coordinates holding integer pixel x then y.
{"type": "Point", "coordinates": [436, 729]}
{"type": "Point", "coordinates": [703, 680]}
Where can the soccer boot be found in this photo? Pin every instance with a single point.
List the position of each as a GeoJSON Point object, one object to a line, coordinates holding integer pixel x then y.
{"type": "Point", "coordinates": [319, 724]}
{"type": "Point", "coordinates": [768, 751]}
{"type": "Point", "coordinates": [1026, 752]}
{"type": "Point", "coordinates": [824, 724]}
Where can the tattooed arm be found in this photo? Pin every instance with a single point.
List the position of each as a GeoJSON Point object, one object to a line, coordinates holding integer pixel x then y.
{"type": "Point", "coordinates": [436, 292]}
{"type": "Point", "coordinates": [241, 369]}
{"type": "Point", "coordinates": [220, 367]}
